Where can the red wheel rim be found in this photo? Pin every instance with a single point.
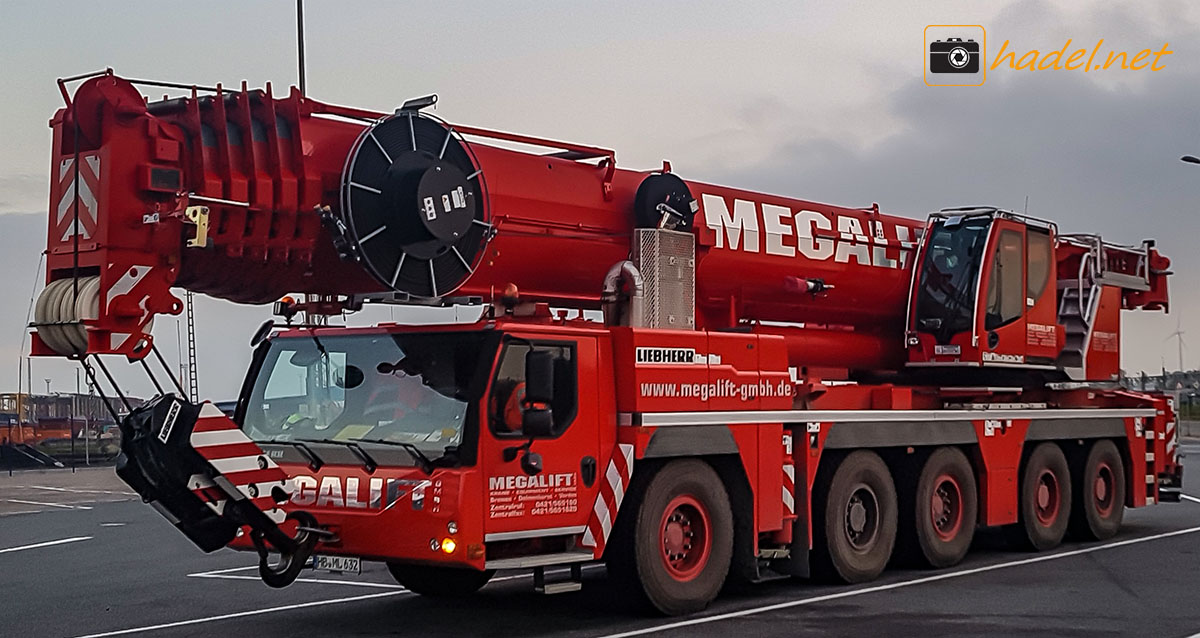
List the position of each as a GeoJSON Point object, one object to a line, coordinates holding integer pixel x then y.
{"type": "Point", "coordinates": [862, 518]}
{"type": "Point", "coordinates": [685, 536]}
{"type": "Point", "coordinates": [1104, 490]}
{"type": "Point", "coordinates": [945, 507]}
{"type": "Point", "coordinates": [1046, 498]}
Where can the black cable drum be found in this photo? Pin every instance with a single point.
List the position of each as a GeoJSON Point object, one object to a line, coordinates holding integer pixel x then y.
{"type": "Point", "coordinates": [415, 205]}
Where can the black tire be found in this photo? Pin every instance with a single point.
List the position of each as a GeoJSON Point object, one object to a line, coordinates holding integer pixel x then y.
{"type": "Point", "coordinates": [439, 581]}
{"type": "Point", "coordinates": [680, 544]}
{"type": "Point", "coordinates": [855, 520]}
{"type": "Point", "coordinates": [1044, 505]}
{"type": "Point", "coordinates": [945, 509]}
{"type": "Point", "coordinates": [1099, 504]}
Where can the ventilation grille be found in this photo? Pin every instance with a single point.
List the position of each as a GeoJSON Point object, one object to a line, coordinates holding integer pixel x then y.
{"type": "Point", "coordinates": [667, 261]}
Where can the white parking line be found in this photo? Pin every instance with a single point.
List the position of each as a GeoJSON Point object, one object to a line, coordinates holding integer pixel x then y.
{"type": "Point", "coordinates": [73, 539]}
{"type": "Point", "coordinates": [398, 591]}
{"type": "Point", "coordinates": [79, 491]}
{"type": "Point", "coordinates": [322, 581]}
{"type": "Point", "coordinates": [223, 571]}
{"type": "Point", "coordinates": [60, 505]}
{"type": "Point", "coordinates": [242, 614]}
{"type": "Point", "coordinates": [1190, 498]}
{"type": "Point", "coordinates": [907, 583]}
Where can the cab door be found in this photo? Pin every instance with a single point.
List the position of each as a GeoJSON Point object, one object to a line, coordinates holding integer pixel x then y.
{"type": "Point", "coordinates": [1041, 297]}
{"type": "Point", "coordinates": [1002, 318]}
{"type": "Point", "coordinates": [552, 505]}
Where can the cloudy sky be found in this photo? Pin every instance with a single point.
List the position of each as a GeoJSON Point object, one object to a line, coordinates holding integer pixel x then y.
{"type": "Point", "coordinates": [822, 101]}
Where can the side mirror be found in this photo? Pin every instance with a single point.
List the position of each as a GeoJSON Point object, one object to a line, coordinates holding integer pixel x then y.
{"type": "Point", "coordinates": [537, 422]}
{"type": "Point", "coordinates": [537, 419]}
{"type": "Point", "coordinates": [262, 333]}
{"type": "Point", "coordinates": [539, 376]}
{"type": "Point", "coordinates": [531, 463]}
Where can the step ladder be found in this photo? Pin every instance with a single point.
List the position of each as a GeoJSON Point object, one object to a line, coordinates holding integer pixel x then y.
{"type": "Point", "coordinates": [1101, 264]}
{"type": "Point", "coordinates": [573, 582]}
{"type": "Point", "coordinates": [1077, 313]}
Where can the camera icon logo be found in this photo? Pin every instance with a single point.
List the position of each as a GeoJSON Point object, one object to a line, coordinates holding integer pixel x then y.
{"type": "Point", "coordinates": [955, 55]}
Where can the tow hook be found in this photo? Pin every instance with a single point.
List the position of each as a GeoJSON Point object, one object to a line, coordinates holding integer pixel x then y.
{"type": "Point", "coordinates": [294, 552]}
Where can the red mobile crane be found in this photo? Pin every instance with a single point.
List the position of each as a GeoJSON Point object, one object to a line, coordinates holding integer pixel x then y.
{"type": "Point", "coordinates": [777, 387]}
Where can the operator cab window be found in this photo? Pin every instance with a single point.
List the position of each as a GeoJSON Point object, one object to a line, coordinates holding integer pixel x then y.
{"type": "Point", "coordinates": [506, 403]}
{"type": "Point", "coordinates": [1006, 288]}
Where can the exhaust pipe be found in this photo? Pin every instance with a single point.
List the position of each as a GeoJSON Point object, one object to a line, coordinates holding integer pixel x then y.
{"type": "Point", "coordinates": [623, 276]}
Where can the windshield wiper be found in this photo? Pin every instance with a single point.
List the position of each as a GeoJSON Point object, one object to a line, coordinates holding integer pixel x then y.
{"type": "Point", "coordinates": [415, 452]}
{"type": "Point", "coordinates": [314, 462]}
{"type": "Point", "coordinates": [368, 462]}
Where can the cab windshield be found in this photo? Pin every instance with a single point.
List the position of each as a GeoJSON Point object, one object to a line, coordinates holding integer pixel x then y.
{"type": "Point", "coordinates": [946, 289]}
{"type": "Point", "coordinates": [401, 388]}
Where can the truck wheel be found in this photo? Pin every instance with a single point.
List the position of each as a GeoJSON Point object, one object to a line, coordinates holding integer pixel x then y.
{"type": "Point", "coordinates": [1100, 505]}
{"type": "Point", "coordinates": [855, 529]}
{"type": "Point", "coordinates": [946, 508]}
{"type": "Point", "coordinates": [1045, 500]}
{"type": "Point", "coordinates": [682, 538]}
{"type": "Point", "coordinates": [439, 581]}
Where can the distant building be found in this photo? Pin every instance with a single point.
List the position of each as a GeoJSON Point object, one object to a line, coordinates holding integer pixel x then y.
{"type": "Point", "coordinates": [33, 417]}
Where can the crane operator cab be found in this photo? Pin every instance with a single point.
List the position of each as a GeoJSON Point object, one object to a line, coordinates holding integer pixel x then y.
{"type": "Point", "coordinates": [995, 292]}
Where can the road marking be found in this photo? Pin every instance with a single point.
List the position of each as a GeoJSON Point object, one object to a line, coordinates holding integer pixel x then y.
{"type": "Point", "coordinates": [271, 610]}
{"type": "Point", "coordinates": [61, 541]}
{"type": "Point", "coordinates": [79, 491]}
{"type": "Point", "coordinates": [322, 581]}
{"type": "Point", "coordinates": [243, 614]}
{"type": "Point", "coordinates": [907, 583]}
{"type": "Point", "coordinates": [60, 505]}
{"type": "Point", "coordinates": [112, 524]}
{"type": "Point", "coordinates": [223, 571]}
{"type": "Point", "coordinates": [1190, 498]}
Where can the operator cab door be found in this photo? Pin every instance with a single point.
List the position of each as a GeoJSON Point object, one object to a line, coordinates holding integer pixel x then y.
{"type": "Point", "coordinates": [1001, 315]}
{"type": "Point", "coordinates": [540, 511]}
{"type": "Point", "coordinates": [1017, 308]}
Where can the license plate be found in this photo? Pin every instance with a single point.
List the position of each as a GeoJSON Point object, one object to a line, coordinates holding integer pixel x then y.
{"type": "Point", "coordinates": [339, 564]}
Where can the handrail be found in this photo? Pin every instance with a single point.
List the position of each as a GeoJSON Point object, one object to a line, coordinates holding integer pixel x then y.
{"type": "Point", "coordinates": [1100, 250]}
{"type": "Point", "coordinates": [1085, 265]}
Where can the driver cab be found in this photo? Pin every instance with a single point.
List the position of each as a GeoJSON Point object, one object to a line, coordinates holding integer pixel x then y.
{"type": "Point", "coordinates": [983, 293]}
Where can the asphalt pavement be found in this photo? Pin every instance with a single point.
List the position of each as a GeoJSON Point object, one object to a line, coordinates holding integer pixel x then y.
{"type": "Point", "coordinates": [106, 565]}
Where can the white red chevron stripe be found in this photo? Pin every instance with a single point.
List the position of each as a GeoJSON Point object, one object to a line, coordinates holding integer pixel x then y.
{"type": "Point", "coordinates": [608, 499]}
{"type": "Point", "coordinates": [239, 460]}
{"type": "Point", "coordinates": [1172, 442]}
{"type": "Point", "coordinates": [87, 186]}
{"type": "Point", "coordinates": [789, 476]}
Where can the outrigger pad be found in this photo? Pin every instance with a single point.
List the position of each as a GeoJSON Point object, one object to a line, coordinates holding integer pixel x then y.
{"type": "Point", "coordinates": [157, 461]}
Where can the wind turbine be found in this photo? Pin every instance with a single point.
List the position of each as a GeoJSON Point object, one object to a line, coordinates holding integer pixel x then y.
{"type": "Point", "coordinates": [1178, 336]}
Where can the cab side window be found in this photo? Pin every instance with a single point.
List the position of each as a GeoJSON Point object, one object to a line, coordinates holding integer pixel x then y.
{"type": "Point", "coordinates": [507, 402]}
{"type": "Point", "coordinates": [1006, 288]}
{"type": "Point", "coordinates": [1041, 255]}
